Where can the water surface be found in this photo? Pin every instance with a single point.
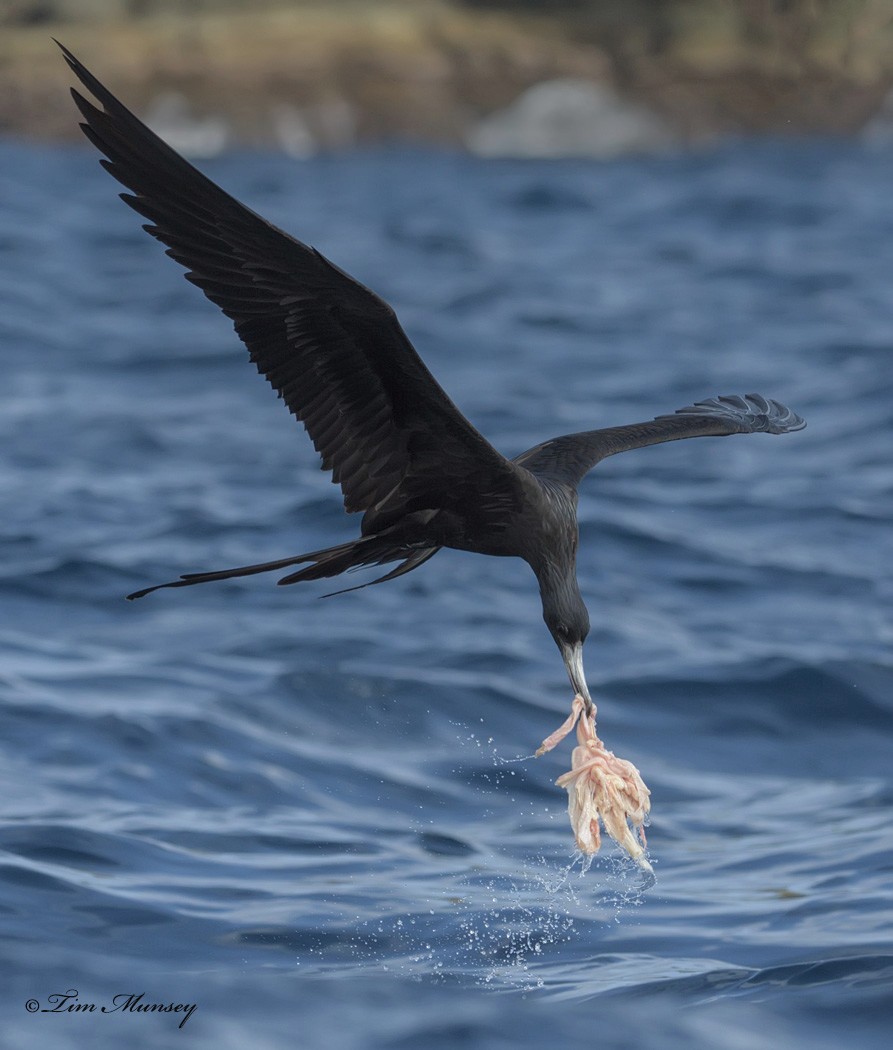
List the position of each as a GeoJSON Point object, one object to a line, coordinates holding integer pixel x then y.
{"type": "Point", "coordinates": [306, 816]}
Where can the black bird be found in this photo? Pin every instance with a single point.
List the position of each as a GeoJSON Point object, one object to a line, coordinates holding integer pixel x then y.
{"type": "Point", "coordinates": [401, 451]}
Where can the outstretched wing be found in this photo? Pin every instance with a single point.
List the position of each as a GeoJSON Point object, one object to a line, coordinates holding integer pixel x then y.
{"type": "Point", "coordinates": [333, 350]}
{"type": "Point", "coordinates": [569, 458]}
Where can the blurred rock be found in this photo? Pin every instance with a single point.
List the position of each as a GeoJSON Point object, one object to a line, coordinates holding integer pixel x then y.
{"type": "Point", "coordinates": [169, 116]}
{"type": "Point", "coordinates": [292, 132]}
{"type": "Point", "coordinates": [879, 130]}
{"type": "Point", "coordinates": [569, 117]}
{"type": "Point", "coordinates": [432, 70]}
{"type": "Point", "coordinates": [40, 12]}
{"type": "Point", "coordinates": [302, 131]}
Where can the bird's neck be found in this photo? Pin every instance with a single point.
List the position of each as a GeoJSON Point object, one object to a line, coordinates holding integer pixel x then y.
{"type": "Point", "coordinates": [560, 593]}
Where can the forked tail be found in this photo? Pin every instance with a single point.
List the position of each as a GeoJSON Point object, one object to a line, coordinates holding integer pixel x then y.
{"type": "Point", "coordinates": [332, 561]}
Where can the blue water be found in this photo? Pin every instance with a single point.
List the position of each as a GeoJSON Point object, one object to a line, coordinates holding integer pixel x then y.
{"type": "Point", "coordinates": [305, 816]}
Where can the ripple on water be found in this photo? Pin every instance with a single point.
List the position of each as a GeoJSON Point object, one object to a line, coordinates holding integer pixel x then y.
{"type": "Point", "coordinates": [325, 814]}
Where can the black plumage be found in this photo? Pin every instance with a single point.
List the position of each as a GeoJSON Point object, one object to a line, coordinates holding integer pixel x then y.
{"type": "Point", "coordinates": [403, 454]}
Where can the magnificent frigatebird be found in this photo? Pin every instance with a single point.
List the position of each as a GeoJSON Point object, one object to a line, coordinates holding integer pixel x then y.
{"type": "Point", "coordinates": [401, 451]}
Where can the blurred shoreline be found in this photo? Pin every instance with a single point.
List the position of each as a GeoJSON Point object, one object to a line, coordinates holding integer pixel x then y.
{"type": "Point", "coordinates": [308, 75]}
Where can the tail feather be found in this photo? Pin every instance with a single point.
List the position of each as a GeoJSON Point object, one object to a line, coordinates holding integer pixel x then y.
{"type": "Point", "coordinates": [371, 550]}
{"type": "Point", "coordinates": [412, 562]}
{"type": "Point", "coordinates": [191, 578]}
{"type": "Point", "coordinates": [331, 561]}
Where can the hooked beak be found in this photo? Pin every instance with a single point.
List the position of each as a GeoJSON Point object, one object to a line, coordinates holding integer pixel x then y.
{"type": "Point", "coordinates": [573, 661]}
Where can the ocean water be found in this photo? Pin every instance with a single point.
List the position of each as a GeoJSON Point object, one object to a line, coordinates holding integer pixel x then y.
{"type": "Point", "coordinates": [318, 821]}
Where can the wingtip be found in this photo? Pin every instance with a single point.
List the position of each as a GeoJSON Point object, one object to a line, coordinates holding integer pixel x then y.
{"type": "Point", "coordinates": [68, 56]}
{"type": "Point", "coordinates": [752, 413]}
{"type": "Point", "coordinates": [779, 419]}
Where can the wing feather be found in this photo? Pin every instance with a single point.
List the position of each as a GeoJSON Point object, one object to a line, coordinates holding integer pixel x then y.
{"type": "Point", "coordinates": [569, 458]}
{"type": "Point", "coordinates": [331, 348]}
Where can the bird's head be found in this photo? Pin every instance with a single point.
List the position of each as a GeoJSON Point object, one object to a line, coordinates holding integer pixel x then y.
{"type": "Point", "coordinates": [568, 623]}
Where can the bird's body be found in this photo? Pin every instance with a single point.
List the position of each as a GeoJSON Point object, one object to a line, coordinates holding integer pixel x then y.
{"type": "Point", "coordinates": [404, 455]}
